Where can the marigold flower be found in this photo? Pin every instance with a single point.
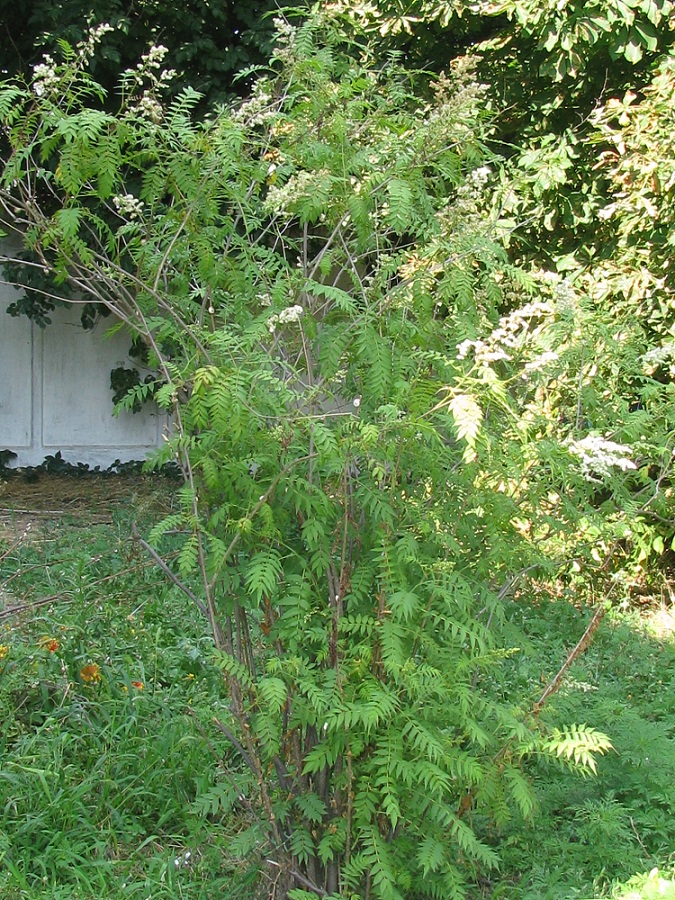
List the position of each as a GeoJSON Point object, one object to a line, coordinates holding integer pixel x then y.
{"type": "Point", "coordinates": [91, 673]}
{"type": "Point", "coordinates": [4, 650]}
{"type": "Point", "coordinates": [138, 685]}
{"type": "Point", "coordinates": [50, 644]}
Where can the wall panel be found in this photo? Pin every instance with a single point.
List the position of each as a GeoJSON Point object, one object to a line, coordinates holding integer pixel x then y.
{"type": "Point", "coordinates": [55, 392]}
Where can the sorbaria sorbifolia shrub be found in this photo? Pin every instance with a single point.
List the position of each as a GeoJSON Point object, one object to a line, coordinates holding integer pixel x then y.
{"type": "Point", "coordinates": [381, 423]}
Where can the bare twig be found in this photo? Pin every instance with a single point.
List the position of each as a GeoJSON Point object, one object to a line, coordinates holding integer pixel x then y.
{"type": "Point", "coordinates": [639, 839]}
{"type": "Point", "coordinates": [10, 611]}
{"type": "Point", "coordinates": [582, 645]}
{"type": "Point", "coordinates": [240, 797]}
{"type": "Point", "coordinates": [167, 571]}
{"type": "Point", "coordinates": [11, 547]}
{"type": "Point", "coordinates": [301, 878]}
{"type": "Point", "coordinates": [238, 746]}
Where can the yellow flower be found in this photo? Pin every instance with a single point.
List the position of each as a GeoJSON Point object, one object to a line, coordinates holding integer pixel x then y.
{"type": "Point", "coordinates": [4, 650]}
{"type": "Point", "coordinates": [91, 673]}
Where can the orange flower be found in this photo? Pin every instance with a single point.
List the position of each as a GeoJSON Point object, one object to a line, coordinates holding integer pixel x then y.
{"type": "Point", "coordinates": [50, 644]}
{"type": "Point", "coordinates": [138, 685]}
{"type": "Point", "coordinates": [91, 673]}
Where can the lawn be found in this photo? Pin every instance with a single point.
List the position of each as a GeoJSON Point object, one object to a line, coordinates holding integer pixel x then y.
{"type": "Point", "coordinates": [115, 782]}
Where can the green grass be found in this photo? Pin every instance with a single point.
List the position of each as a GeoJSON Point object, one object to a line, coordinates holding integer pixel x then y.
{"type": "Point", "coordinates": [589, 835]}
{"type": "Point", "coordinates": [98, 777]}
{"type": "Point", "coordinates": [112, 787]}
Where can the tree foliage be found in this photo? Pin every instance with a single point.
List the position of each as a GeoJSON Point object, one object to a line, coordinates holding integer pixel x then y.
{"type": "Point", "coordinates": [635, 139]}
{"type": "Point", "coordinates": [549, 66]}
{"type": "Point", "coordinates": [208, 42]}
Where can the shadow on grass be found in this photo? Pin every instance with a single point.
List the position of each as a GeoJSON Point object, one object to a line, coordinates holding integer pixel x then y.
{"type": "Point", "coordinates": [590, 834]}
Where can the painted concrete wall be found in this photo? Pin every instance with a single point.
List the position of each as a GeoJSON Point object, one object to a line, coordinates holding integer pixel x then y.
{"type": "Point", "coordinates": [55, 392]}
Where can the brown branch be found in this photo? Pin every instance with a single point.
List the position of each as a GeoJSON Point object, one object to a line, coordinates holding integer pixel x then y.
{"type": "Point", "coordinates": [301, 878]}
{"type": "Point", "coordinates": [10, 611]}
{"type": "Point", "coordinates": [238, 746]}
{"type": "Point", "coordinates": [552, 687]}
{"type": "Point", "coordinates": [218, 756]}
{"type": "Point", "coordinates": [582, 645]}
{"type": "Point", "coordinates": [167, 571]}
{"type": "Point", "coordinates": [13, 546]}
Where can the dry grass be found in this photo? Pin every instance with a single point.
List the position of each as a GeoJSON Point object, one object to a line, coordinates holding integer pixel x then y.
{"type": "Point", "coordinates": [25, 507]}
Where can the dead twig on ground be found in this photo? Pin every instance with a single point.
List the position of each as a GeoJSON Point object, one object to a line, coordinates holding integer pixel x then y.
{"type": "Point", "coordinates": [19, 608]}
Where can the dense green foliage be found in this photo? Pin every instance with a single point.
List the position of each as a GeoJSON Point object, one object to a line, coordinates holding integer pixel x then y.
{"type": "Point", "coordinates": [384, 421]}
{"type": "Point", "coordinates": [636, 138]}
{"type": "Point", "coordinates": [208, 43]}
{"type": "Point", "coordinates": [550, 67]}
{"type": "Point", "coordinates": [107, 784]}
{"type": "Point", "coordinates": [587, 832]}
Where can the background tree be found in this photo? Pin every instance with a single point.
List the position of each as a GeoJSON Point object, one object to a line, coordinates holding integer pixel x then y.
{"type": "Point", "coordinates": [549, 68]}
{"type": "Point", "coordinates": [207, 43]}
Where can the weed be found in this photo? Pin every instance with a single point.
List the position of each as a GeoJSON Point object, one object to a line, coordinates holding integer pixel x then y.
{"type": "Point", "coordinates": [588, 835]}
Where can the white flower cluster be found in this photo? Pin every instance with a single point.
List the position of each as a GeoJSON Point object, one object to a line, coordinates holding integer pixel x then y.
{"type": "Point", "coordinates": [154, 57]}
{"type": "Point", "coordinates": [291, 314]}
{"type": "Point", "coordinates": [512, 327]}
{"type": "Point", "coordinates": [258, 109]}
{"type": "Point", "coordinates": [150, 62]}
{"type": "Point", "coordinates": [507, 336]}
{"type": "Point", "coordinates": [285, 317]}
{"type": "Point", "coordinates": [128, 205]}
{"type": "Point", "coordinates": [147, 70]}
{"type": "Point", "coordinates": [283, 28]}
{"type": "Point", "coordinates": [285, 39]}
{"type": "Point", "coordinates": [45, 77]}
{"type": "Point", "coordinates": [479, 177]}
{"type": "Point", "coordinates": [150, 108]}
{"type": "Point", "coordinates": [657, 357]}
{"type": "Point", "coordinates": [297, 187]}
{"type": "Point", "coordinates": [466, 212]}
{"type": "Point", "coordinates": [458, 96]}
{"type": "Point", "coordinates": [548, 356]}
{"type": "Point", "coordinates": [483, 352]}
{"type": "Point", "coordinates": [87, 48]}
{"type": "Point", "coordinates": [599, 457]}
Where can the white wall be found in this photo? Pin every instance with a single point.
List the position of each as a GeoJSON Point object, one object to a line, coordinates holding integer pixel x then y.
{"type": "Point", "coordinates": [55, 392]}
